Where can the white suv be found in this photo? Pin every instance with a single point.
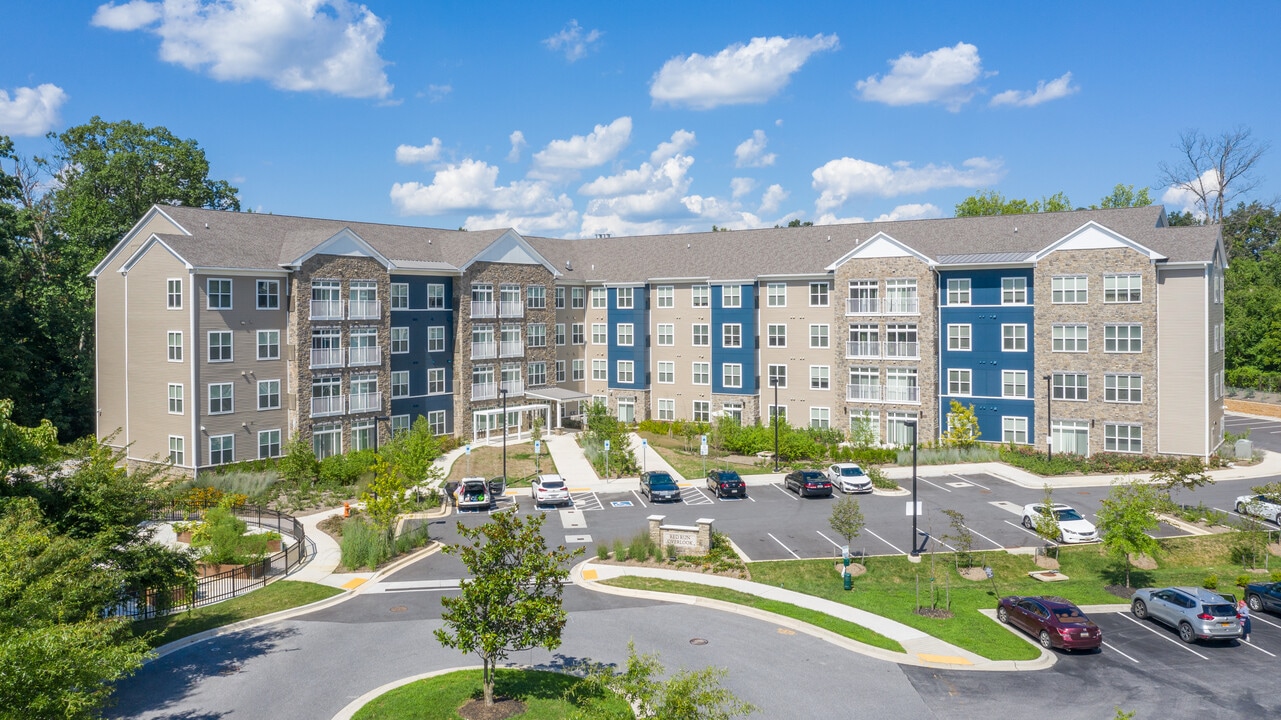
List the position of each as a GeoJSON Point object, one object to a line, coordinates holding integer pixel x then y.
{"type": "Point", "coordinates": [549, 490]}
{"type": "Point", "coordinates": [1072, 527]}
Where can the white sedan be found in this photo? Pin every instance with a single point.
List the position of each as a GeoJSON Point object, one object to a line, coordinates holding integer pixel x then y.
{"type": "Point", "coordinates": [1260, 505]}
{"type": "Point", "coordinates": [1073, 528]}
{"type": "Point", "coordinates": [549, 490]}
{"type": "Point", "coordinates": [848, 478]}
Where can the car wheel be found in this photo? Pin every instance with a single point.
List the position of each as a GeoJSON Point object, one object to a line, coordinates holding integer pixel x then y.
{"type": "Point", "coordinates": [1255, 603]}
{"type": "Point", "coordinates": [1044, 637]}
{"type": "Point", "coordinates": [1277, 519]}
{"type": "Point", "coordinates": [1240, 508]}
{"type": "Point", "coordinates": [1027, 522]}
{"type": "Point", "coordinates": [1003, 615]}
{"type": "Point", "coordinates": [1139, 608]}
{"type": "Point", "coordinates": [1186, 634]}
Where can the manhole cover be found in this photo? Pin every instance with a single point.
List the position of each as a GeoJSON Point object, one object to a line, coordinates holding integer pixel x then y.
{"type": "Point", "coordinates": [698, 641]}
{"type": "Point", "coordinates": [399, 608]}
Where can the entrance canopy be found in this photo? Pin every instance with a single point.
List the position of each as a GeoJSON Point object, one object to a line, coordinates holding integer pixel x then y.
{"type": "Point", "coordinates": [560, 396]}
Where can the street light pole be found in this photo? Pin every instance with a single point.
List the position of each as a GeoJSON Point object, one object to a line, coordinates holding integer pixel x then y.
{"type": "Point", "coordinates": [1049, 426]}
{"type": "Point", "coordinates": [503, 391]}
{"type": "Point", "coordinates": [912, 424]}
{"type": "Point", "coordinates": [774, 381]}
{"type": "Point", "coordinates": [376, 419]}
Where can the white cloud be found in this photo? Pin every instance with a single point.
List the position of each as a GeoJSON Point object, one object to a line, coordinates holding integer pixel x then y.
{"type": "Point", "coordinates": [648, 191]}
{"type": "Point", "coordinates": [739, 74]}
{"type": "Point", "coordinates": [941, 76]}
{"type": "Point", "coordinates": [301, 45]}
{"type": "Point", "coordinates": [427, 154]}
{"type": "Point", "coordinates": [1045, 92]}
{"type": "Point", "coordinates": [740, 186]}
{"type": "Point", "coordinates": [839, 179]}
{"type": "Point", "coordinates": [681, 141]}
{"type": "Point", "coordinates": [471, 186]}
{"type": "Point", "coordinates": [436, 93]}
{"type": "Point", "coordinates": [517, 139]}
{"type": "Point", "coordinates": [31, 111]}
{"type": "Point", "coordinates": [574, 41]}
{"type": "Point", "coordinates": [751, 152]}
{"type": "Point", "coordinates": [554, 223]}
{"type": "Point", "coordinates": [584, 151]}
{"type": "Point", "coordinates": [1187, 201]}
{"type": "Point", "coordinates": [773, 196]}
{"type": "Point", "coordinates": [913, 211]}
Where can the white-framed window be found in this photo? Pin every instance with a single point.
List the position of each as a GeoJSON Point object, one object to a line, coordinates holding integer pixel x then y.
{"type": "Point", "coordinates": [666, 371]}
{"type": "Point", "coordinates": [173, 294]}
{"type": "Point", "coordinates": [436, 381]}
{"type": "Point", "coordinates": [177, 450]}
{"type": "Point", "coordinates": [731, 296]}
{"type": "Point", "coordinates": [1120, 388]}
{"type": "Point", "coordinates": [897, 429]}
{"type": "Point", "coordinates": [1126, 288]}
{"type": "Point", "coordinates": [399, 424]}
{"type": "Point", "coordinates": [560, 298]}
{"type": "Point", "coordinates": [599, 336]}
{"type": "Point", "coordinates": [1218, 338]}
{"type": "Point", "coordinates": [537, 373]}
{"type": "Point", "coordinates": [175, 399]}
{"type": "Point", "coordinates": [700, 296]}
{"type": "Point", "coordinates": [732, 374]}
{"type": "Point", "coordinates": [362, 435]}
{"type": "Point", "coordinates": [1123, 338]}
{"type": "Point", "coordinates": [219, 346]}
{"type": "Point", "coordinates": [776, 335]}
{"type": "Point", "coordinates": [820, 377]}
{"type": "Point", "coordinates": [175, 346]}
{"type": "Point", "coordinates": [268, 344]}
{"type": "Point", "coordinates": [400, 296]}
{"type": "Point", "coordinates": [436, 422]}
{"type": "Point", "coordinates": [1069, 289]}
{"type": "Point", "coordinates": [820, 417]}
{"type": "Point", "coordinates": [868, 422]}
{"type": "Point", "coordinates": [666, 409]}
{"type": "Point", "coordinates": [665, 296]}
{"type": "Point", "coordinates": [1014, 383]}
{"type": "Point", "coordinates": [666, 334]}
{"type": "Point", "coordinates": [536, 297]}
{"type": "Point", "coordinates": [626, 372]}
{"type": "Point", "coordinates": [702, 411]}
{"type": "Point", "coordinates": [577, 298]}
{"type": "Point", "coordinates": [1216, 386]}
{"type": "Point", "coordinates": [1014, 338]}
{"type": "Point", "coordinates": [733, 411]}
{"type": "Point", "coordinates": [1014, 292]}
{"type": "Point", "coordinates": [560, 371]}
{"type": "Point", "coordinates": [222, 449]}
{"type": "Point", "coordinates": [399, 383]}
{"type": "Point", "coordinates": [600, 369]}
{"type": "Point", "coordinates": [776, 294]}
{"type": "Point", "coordinates": [268, 293]}
{"type": "Point", "coordinates": [958, 337]}
{"type": "Point", "coordinates": [1071, 338]}
{"type": "Point", "coordinates": [268, 444]}
{"type": "Point", "coordinates": [576, 335]}
{"type": "Point", "coordinates": [626, 298]}
{"type": "Point", "coordinates": [536, 335]}
{"type": "Point", "coordinates": [958, 381]}
{"type": "Point", "coordinates": [820, 336]}
{"type": "Point", "coordinates": [560, 334]}
{"type": "Point", "coordinates": [268, 394]}
{"type": "Point", "coordinates": [326, 440]}
{"type": "Point", "coordinates": [600, 298]}
{"type": "Point", "coordinates": [1070, 386]}
{"type": "Point", "coordinates": [435, 338]}
{"type": "Point", "coordinates": [777, 376]}
{"type": "Point", "coordinates": [221, 401]}
{"type": "Point", "coordinates": [1122, 437]}
{"type": "Point", "coordinates": [577, 368]}
{"type": "Point", "coordinates": [702, 373]}
{"type": "Point", "coordinates": [901, 297]}
{"type": "Point", "coordinates": [776, 411]}
{"type": "Point", "coordinates": [436, 296]}
{"type": "Point", "coordinates": [819, 294]}
{"type": "Point", "coordinates": [732, 335]}
{"type": "Point", "coordinates": [219, 293]}
{"type": "Point", "coordinates": [701, 335]}
{"type": "Point", "coordinates": [1014, 429]}
{"type": "Point", "coordinates": [399, 340]}
{"type": "Point", "coordinates": [958, 291]}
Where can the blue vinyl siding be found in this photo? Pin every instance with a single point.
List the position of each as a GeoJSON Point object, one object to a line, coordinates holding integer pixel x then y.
{"type": "Point", "coordinates": [417, 361]}
{"type": "Point", "coordinates": [745, 355]}
{"type": "Point", "coordinates": [638, 352]}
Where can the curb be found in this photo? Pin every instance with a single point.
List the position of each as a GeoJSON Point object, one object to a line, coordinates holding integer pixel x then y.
{"type": "Point", "coordinates": [354, 706]}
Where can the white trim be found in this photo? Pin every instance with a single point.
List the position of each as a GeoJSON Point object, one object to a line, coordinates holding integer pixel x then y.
{"type": "Point", "coordinates": [231, 293]}
{"type": "Point", "coordinates": [209, 396]}
{"type": "Point", "coordinates": [184, 450]}
{"type": "Point", "coordinates": [881, 238]}
{"type": "Point", "coordinates": [1115, 238]}
{"type": "Point", "coordinates": [128, 236]}
{"type": "Point", "coordinates": [180, 298]}
{"type": "Point", "coordinates": [209, 344]}
{"type": "Point", "coordinates": [510, 239]}
{"type": "Point", "coordinates": [195, 409]}
{"type": "Point", "coordinates": [355, 246]}
{"type": "Point", "coordinates": [142, 251]}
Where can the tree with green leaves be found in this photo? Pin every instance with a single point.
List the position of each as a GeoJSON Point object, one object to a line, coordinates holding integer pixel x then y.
{"type": "Point", "coordinates": [991, 202]}
{"type": "Point", "coordinates": [685, 695]}
{"type": "Point", "coordinates": [962, 426]}
{"type": "Point", "coordinates": [1124, 196]}
{"type": "Point", "coordinates": [385, 498]}
{"type": "Point", "coordinates": [299, 465]}
{"type": "Point", "coordinates": [846, 519]}
{"type": "Point", "coordinates": [1046, 522]}
{"type": "Point", "coordinates": [961, 537]}
{"type": "Point", "coordinates": [602, 426]}
{"type": "Point", "coordinates": [1186, 474]}
{"type": "Point", "coordinates": [512, 599]}
{"type": "Point", "coordinates": [414, 454]}
{"type": "Point", "coordinates": [1126, 517]}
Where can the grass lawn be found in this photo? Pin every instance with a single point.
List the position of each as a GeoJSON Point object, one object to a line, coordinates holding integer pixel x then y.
{"type": "Point", "coordinates": [280, 595]}
{"type": "Point", "coordinates": [438, 698]}
{"type": "Point", "coordinates": [813, 617]}
{"type": "Point", "coordinates": [689, 463]}
{"type": "Point", "coordinates": [487, 462]}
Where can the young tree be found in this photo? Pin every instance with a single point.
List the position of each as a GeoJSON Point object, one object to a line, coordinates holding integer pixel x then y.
{"type": "Point", "coordinates": [1126, 516]}
{"type": "Point", "coordinates": [863, 432]}
{"type": "Point", "coordinates": [414, 453]}
{"type": "Point", "coordinates": [1046, 522]}
{"type": "Point", "coordinates": [961, 537]}
{"type": "Point", "coordinates": [536, 436]}
{"type": "Point", "coordinates": [1215, 169]}
{"type": "Point", "coordinates": [385, 498]}
{"type": "Point", "coordinates": [686, 695]}
{"type": "Point", "coordinates": [512, 600]}
{"type": "Point", "coordinates": [962, 426]}
{"type": "Point", "coordinates": [1186, 474]}
{"type": "Point", "coordinates": [299, 465]}
{"type": "Point", "coordinates": [846, 519]}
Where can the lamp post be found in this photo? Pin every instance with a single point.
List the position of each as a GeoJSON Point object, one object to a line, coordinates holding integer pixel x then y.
{"type": "Point", "coordinates": [1049, 427]}
{"type": "Point", "coordinates": [912, 424]}
{"type": "Point", "coordinates": [377, 418]}
{"type": "Point", "coordinates": [774, 382]}
{"type": "Point", "coordinates": [503, 391]}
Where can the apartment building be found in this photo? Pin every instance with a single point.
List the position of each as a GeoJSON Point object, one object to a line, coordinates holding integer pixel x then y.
{"type": "Point", "coordinates": [223, 335]}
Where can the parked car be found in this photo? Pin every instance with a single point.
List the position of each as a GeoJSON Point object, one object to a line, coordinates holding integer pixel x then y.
{"type": "Point", "coordinates": [849, 478]}
{"type": "Point", "coordinates": [1073, 528]}
{"type": "Point", "coordinates": [1197, 613]}
{"type": "Point", "coordinates": [1263, 596]}
{"type": "Point", "coordinates": [1261, 505]}
{"type": "Point", "coordinates": [1053, 621]}
{"type": "Point", "coordinates": [726, 483]}
{"type": "Point", "coordinates": [808, 482]}
{"type": "Point", "coordinates": [659, 486]}
{"type": "Point", "coordinates": [550, 490]}
{"type": "Point", "coordinates": [473, 493]}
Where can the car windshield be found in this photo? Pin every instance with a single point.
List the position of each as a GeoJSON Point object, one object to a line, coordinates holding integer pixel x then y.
{"type": "Point", "coordinates": [662, 482]}
{"type": "Point", "coordinates": [812, 475]}
{"type": "Point", "coordinates": [552, 484]}
{"type": "Point", "coordinates": [851, 472]}
{"type": "Point", "coordinates": [730, 477]}
{"type": "Point", "coordinates": [1223, 610]}
{"type": "Point", "coordinates": [1069, 615]}
{"type": "Point", "coordinates": [1069, 514]}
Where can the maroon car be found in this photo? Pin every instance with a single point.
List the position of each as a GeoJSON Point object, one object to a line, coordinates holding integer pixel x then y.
{"type": "Point", "coordinates": [1053, 621]}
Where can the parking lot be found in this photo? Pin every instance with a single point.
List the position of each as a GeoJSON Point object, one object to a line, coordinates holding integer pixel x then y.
{"type": "Point", "coordinates": [1265, 434]}
{"type": "Point", "coordinates": [1157, 648]}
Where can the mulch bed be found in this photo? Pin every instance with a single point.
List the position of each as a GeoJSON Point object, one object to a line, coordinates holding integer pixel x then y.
{"type": "Point", "coordinates": [1121, 591]}
{"type": "Point", "coordinates": [502, 709]}
{"type": "Point", "coordinates": [936, 613]}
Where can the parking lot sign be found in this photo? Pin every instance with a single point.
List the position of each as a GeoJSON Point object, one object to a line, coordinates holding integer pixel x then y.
{"type": "Point", "coordinates": [917, 507]}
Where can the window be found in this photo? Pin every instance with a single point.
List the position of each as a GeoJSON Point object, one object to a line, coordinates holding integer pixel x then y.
{"type": "Point", "coordinates": [626, 298]}
{"type": "Point", "coordinates": [665, 296]}
{"type": "Point", "coordinates": [819, 336]}
{"type": "Point", "coordinates": [536, 335]}
{"type": "Point", "coordinates": [598, 334]}
{"type": "Point", "coordinates": [702, 373]}
{"type": "Point", "coordinates": [560, 298]}
{"type": "Point", "coordinates": [958, 382]}
{"type": "Point", "coordinates": [666, 334]}
{"type": "Point", "coordinates": [958, 337]}
{"type": "Point", "coordinates": [1123, 388]}
{"type": "Point", "coordinates": [576, 334]}
{"type": "Point", "coordinates": [666, 409]}
{"type": "Point", "coordinates": [560, 371]}
{"type": "Point", "coordinates": [733, 411]}
{"type": "Point", "coordinates": [399, 340]}
{"type": "Point", "coordinates": [626, 374]}
{"type": "Point", "coordinates": [175, 398]}
{"type": "Point", "coordinates": [222, 449]}
{"type": "Point", "coordinates": [400, 296]}
{"type": "Point", "coordinates": [510, 338]}
{"type": "Point", "coordinates": [732, 296]}
{"type": "Point", "coordinates": [600, 370]}
{"type": "Point", "coordinates": [560, 333]}
{"type": "Point", "coordinates": [436, 338]}
{"type": "Point", "coordinates": [820, 377]}
{"type": "Point", "coordinates": [702, 335]}
{"type": "Point", "coordinates": [1014, 292]}
{"type": "Point", "coordinates": [536, 297]}
{"type": "Point", "coordinates": [700, 296]}
{"type": "Point", "coordinates": [577, 298]}
{"type": "Point", "coordinates": [865, 425]}
{"type": "Point", "coordinates": [220, 399]}
{"type": "Point", "coordinates": [865, 384]}
{"type": "Point", "coordinates": [732, 374]}
{"type": "Point", "coordinates": [268, 344]}
{"type": "Point", "coordinates": [399, 424]}
{"type": "Point", "coordinates": [777, 375]}
{"type": "Point", "coordinates": [1123, 288]}
{"type": "Point", "coordinates": [436, 381]}
{"type": "Point", "coordinates": [901, 385]}
{"type": "Point", "coordinates": [732, 335]}
{"type": "Point", "coordinates": [778, 411]}
{"type": "Point", "coordinates": [268, 444]}
{"type": "Point", "coordinates": [702, 411]}
{"type": "Point", "coordinates": [901, 341]}
{"type": "Point", "coordinates": [220, 346]}
{"type": "Point", "coordinates": [777, 335]}
{"type": "Point", "coordinates": [482, 380]}
{"type": "Point", "coordinates": [576, 367]}
{"type": "Point", "coordinates": [898, 431]}
{"type": "Point", "coordinates": [820, 417]}
{"type": "Point", "coordinates": [625, 334]}
{"type": "Point", "coordinates": [326, 440]}
{"type": "Point", "coordinates": [1123, 338]}
{"type": "Point", "coordinates": [219, 294]}
{"type": "Point", "coordinates": [537, 372]}
{"type": "Point", "coordinates": [1014, 383]}
{"type": "Point", "coordinates": [958, 291]}
{"type": "Point", "coordinates": [268, 294]}
{"type": "Point", "coordinates": [600, 298]}
{"type": "Point", "coordinates": [399, 383]}
{"type": "Point", "coordinates": [175, 346]}
{"type": "Point", "coordinates": [173, 295]}
{"type": "Point", "coordinates": [1071, 338]}
{"type": "Point", "coordinates": [776, 295]}
{"type": "Point", "coordinates": [1014, 430]}
{"type": "Point", "coordinates": [666, 371]}
{"type": "Point", "coordinates": [1122, 438]}
{"type": "Point", "coordinates": [901, 297]}
{"type": "Point", "coordinates": [864, 341]}
{"type": "Point", "coordinates": [1014, 338]}
{"type": "Point", "coordinates": [1070, 386]}
{"type": "Point", "coordinates": [436, 297]}
{"type": "Point", "coordinates": [177, 450]}
{"type": "Point", "coordinates": [268, 394]}
{"type": "Point", "coordinates": [819, 294]}
{"type": "Point", "coordinates": [436, 422]}
{"type": "Point", "coordinates": [1069, 289]}
{"type": "Point", "coordinates": [863, 297]}
{"type": "Point", "coordinates": [509, 300]}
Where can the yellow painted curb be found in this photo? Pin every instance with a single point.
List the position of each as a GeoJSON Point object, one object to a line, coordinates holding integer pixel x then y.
{"type": "Point", "coordinates": [353, 583]}
{"type": "Point", "coordinates": [945, 659]}
{"type": "Point", "coordinates": [589, 575]}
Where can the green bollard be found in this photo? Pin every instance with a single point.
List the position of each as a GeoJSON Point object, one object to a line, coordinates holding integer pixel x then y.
{"type": "Point", "coordinates": [849, 581]}
{"type": "Point", "coordinates": [847, 560]}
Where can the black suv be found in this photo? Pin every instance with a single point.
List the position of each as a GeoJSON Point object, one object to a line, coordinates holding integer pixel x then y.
{"type": "Point", "coordinates": [808, 482]}
{"type": "Point", "coordinates": [659, 486]}
{"type": "Point", "coordinates": [726, 483]}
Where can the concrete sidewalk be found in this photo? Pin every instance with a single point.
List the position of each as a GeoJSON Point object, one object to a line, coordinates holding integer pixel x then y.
{"type": "Point", "coordinates": [571, 462]}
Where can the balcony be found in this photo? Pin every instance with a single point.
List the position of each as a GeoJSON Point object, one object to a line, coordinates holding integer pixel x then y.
{"type": "Point", "coordinates": [514, 387]}
{"type": "Point", "coordinates": [883, 393]}
{"type": "Point", "coordinates": [905, 350]}
{"type": "Point", "coordinates": [326, 357]}
{"type": "Point", "coordinates": [483, 308]}
{"type": "Point", "coordinates": [327, 405]}
{"type": "Point", "coordinates": [902, 306]}
{"type": "Point", "coordinates": [366, 402]}
{"type": "Point", "coordinates": [511, 348]}
{"type": "Point", "coordinates": [326, 309]}
{"type": "Point", "coordinates": [856, 349]}
{"type": "Point", "coordinates": [484, 350]}
{"type": "Point", "coordinates": [902, 394]}
{"type": "Point", "coordinates": [511, 309]}
{"type": "Point", "coordinates": [370, 355]}
{"type": "Point", "coordinates": [363, 310]}
{"type": "Point", "coordinates": [484, 391]}
{"type": "Point", "coordinates": [862, 306]}
{"type": "Point", "coordinates": [863, 393]}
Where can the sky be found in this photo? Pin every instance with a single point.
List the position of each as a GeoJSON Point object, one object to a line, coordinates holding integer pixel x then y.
{"type": "Point", "coordinates": [628, 118]}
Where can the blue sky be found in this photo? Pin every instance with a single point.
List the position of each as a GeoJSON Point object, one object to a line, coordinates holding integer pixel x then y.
{"type": "Point", "coordinates": [627, 118]}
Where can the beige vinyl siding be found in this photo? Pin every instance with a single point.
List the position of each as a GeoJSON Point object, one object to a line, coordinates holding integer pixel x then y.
{"type": "Point", "coordinates": [1184, 381]}
{"type": "Point", "coordinates": [798, 356]}
{"type": "Point", "coordinates": [149, 371]}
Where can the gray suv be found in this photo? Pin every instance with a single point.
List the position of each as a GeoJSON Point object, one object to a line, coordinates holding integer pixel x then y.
{"type": "Point", "coordinates": [1197, 613]}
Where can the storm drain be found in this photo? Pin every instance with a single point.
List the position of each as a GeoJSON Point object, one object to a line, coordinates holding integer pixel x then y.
{"type": "Point", "coordinates": [398, 608]}
{"type": "Point", "coordinates": [698, 641]}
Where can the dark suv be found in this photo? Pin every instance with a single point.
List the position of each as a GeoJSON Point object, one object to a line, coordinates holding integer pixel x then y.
{"type": "Point", "coordinates": [659, 486]}
{"type": "Point", "coordinates": [726, 483]}
{"type": "Point", "coordinates": [808, 482]}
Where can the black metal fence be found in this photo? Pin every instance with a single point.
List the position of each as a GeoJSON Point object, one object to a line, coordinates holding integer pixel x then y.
{"type": "Point", "coordinates": [217, 583]}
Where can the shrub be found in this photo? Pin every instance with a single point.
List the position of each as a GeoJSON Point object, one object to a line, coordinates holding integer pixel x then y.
{"type": "Point", "coordinates": [1243, 580]}
{"type": "Point", "coordinates": [620, 550]}
{"type": "Point", "coordinates": [364, 545]}
{"type": "Point", "coordinates": [877, 476]}
{"type": "Point", "coordinates": [949, 455]}
{"type": "Point", "coordinates": [641, 546]}
{"type": "Point", "coordinates": [602, 552]}
{"type": "Point", "coordinates": [1211, 582]}
{"type": "Point", "coordinates": [1275, 575]}
{"type": "Point", "coordinates": [221, 539]}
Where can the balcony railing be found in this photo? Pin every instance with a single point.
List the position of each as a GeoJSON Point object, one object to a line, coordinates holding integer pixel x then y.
{"type": "Point", "coordinates": [511, 308]}
{"type": "Point", "coordinates": [363, 310]}
{"type": "Point", "coordinates": [903, 393]}
{"type": "Point", "coordinates": [366, 402]}
{"type": "Point", "coordinates": [902, 350]}
{"type": "Point", "coordinates": [858, 349]}
{"type": "Point", "coordinates": [483, 308]}
{"type": "Point", "coordinates": [865, 393]}
{"type": "Point", "coordinates": [326, 357]}
{"type": "Point", "coordinates": [902, 306]}
{"type": "Point", "coordinates": [326, 309]}
{"type": "Point", "coordinates": [883, 393]}
{"type": "Point", "coordinates": [862, 306]}
{"type": "Point", "coordinates": [484, 351]}
{"type": "Point", "coordinates": [326, 405]}
{"type": "Point", "coordinates": [514, 387]}
{"type": "Point", "coordinates": [511, 349]}
{"type": "Point", "coordinates": [370, 355]}
{"type": "Point", "coordinates": [484, 391]}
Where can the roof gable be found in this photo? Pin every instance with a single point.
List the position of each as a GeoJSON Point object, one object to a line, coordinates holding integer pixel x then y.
{"type": "Point", "coordinates": [511, 249]}
{"type": "Point", "coordinates": [880, 245]}
{"type": "Point", "coordinates": [142, 252]}
{"type": "Point", "coordinates": [155, 212]}
{"type": "Point", "coordinates": [1093, 236]}
{"type": "Point", "coordinates": [344, 243]}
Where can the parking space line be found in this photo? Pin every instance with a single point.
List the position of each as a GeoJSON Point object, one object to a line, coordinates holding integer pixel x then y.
{"type": "Point", "coordinates": [1247, 643]}
{"type": "Point", "coordinates": [1118, 652]}
{"type": "Point", "coordinates": [927, 482]}
{"type": "Point", "coordinates": [998, 545]}
{"type": "Point", "coordinates": [949, 547]}
{"type": "Point", "coordinates": [1257, 518]}
{"type": "Point", "coordinates": [638, 498]}
{"type": "Point", "coordinates": [1160, 634]}
{"type": "Point", "coordinates": [785, 492]}
{"type": "Point", "coordinates": [1029, 532]}
{"type": "Point", "coordinates": [780, 543]}
{"type": "Point", "coordinates": [1254, 617]}
{"type": "Point", "coordinates": [698, 498]}
{"type": "Point", "coordinates": [887, 542]}
{"type": "Point", "coordinates": [968, 480]}
{"type": "Point", "coordinates": [820, 534]}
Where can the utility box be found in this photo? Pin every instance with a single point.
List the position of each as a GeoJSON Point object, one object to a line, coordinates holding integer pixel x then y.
{"type": "Point", "coordinates": [1244, 449]}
